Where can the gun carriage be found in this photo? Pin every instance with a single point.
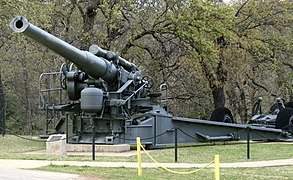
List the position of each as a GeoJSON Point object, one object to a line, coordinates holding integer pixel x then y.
{"type": "Point", "coordinates": [110, 99]}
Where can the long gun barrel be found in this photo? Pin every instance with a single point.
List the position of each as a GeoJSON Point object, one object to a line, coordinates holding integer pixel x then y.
{"type": "Point", "coordinates": [94, 66]}
{"type": "Point", "coordinates": [109, 55]}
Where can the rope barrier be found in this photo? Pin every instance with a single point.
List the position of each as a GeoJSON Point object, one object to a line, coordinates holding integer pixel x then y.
{"type": "Point", "coordinates": [172, 171]}
{"type": "Point", "coordinates": [37, 140]}
{"type": "Point", "coordinates": [139, 147]}
{"type": "Point", "coordinates": [147, 138]}
{"type": "Point", "coordinates": [188, 134]}
{"type": "Point", "coordinates": [260, 135]}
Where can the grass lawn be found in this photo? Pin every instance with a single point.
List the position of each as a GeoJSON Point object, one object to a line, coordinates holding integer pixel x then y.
{"type": "Point", "coordinates": [275, 173]}
{"type": "Point", "coordinates": [12, 147]}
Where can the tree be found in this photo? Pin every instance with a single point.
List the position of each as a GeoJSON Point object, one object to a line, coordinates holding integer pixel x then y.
{"type": "Point", "coordinates": [206, 28]}
{"type": "Point", "coordinates": [2, 108]}
{"type": "Point", "coordinates": [262, 29]}
{"type": "Point", "coordinates": [20, 61]}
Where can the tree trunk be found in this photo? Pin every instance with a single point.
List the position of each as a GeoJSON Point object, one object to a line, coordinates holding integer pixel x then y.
{"type": "Point", "coordinates": [218, 96]}
{"type": "Point", "coordinates": [216, 79]}
{"type": "Point", "coordinates": [88, 16]}
{"type": "Point", "coordinates": [2, 108]}
{"type": "Point", "coordinates": [242, 106]}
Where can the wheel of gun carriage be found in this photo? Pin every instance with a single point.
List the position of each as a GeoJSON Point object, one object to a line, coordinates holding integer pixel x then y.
{"type": "Point", "coordinates": [275, 107]}
{"type": "Point", "coordinates": [222, 114]}
{"type": "Point", "coordinates": [289, 104]}
{"type": "Point", "coordinates": [284, 119]}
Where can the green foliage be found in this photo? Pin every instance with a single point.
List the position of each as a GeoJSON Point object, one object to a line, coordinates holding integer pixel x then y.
{"type": "Point", "coordinates": [201, 23]}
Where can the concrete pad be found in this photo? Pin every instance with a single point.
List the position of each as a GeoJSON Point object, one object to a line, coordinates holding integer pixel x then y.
{"type": "Point", "coordinates": [56, 145]}
{"type": "Point", "coordinates": [116, 148]}
{"type": "Point", "coordinates": [108, 154]}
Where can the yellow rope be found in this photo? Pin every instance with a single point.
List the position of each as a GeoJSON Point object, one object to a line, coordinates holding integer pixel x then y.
{"type": "Point", "coordinates": [172, 171]}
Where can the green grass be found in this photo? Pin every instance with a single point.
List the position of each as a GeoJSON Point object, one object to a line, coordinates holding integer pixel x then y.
{"type": "Point", "coordinates": [284, 172]}
{"type": "Point", "coordinates": [228, 153]}
{"type": "Point", "coordinates": [12, 147]}
{"type": "Point", "coordinates": [12, 144]}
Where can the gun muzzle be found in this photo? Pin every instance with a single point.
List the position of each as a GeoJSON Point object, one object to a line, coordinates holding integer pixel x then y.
{"type": "Point", "coordinates": [94, 66]}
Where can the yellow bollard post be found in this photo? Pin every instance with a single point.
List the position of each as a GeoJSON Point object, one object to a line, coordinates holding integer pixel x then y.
{"type": "Point", "coordinates": [139, 170]}
{"type": "Point", "coordinates": [217, 167]}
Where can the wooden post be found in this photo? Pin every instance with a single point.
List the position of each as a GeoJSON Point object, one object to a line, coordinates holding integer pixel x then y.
{"type": "Point", "coordinates": [217, 167]}
{"type": "Point", "coordinates": [139, 170]}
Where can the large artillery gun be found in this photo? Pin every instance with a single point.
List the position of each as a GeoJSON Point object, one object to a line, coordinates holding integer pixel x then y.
{"type": "Point", "coordinates": [111, 102]}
